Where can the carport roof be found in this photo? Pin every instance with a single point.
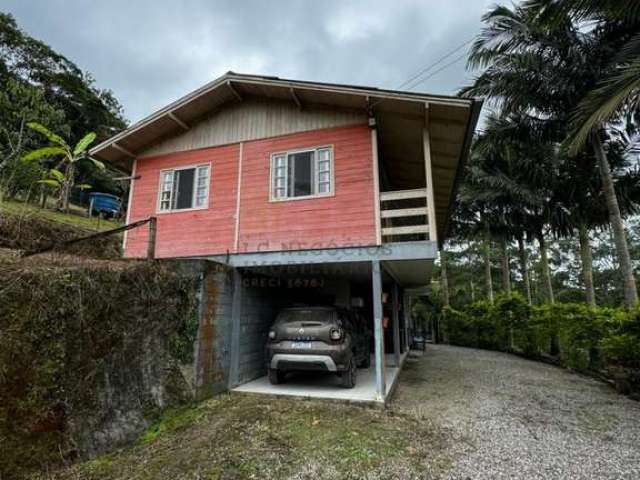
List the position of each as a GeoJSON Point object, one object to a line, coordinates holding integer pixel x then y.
{"type": "Point", "coordinates": [400, 114]}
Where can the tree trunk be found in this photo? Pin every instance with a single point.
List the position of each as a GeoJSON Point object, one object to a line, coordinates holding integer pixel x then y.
{"type": "Point", "coordinates": [473, 291]}
{"type": "Point", "coordinates": [67, 185]}
{"type": "Point", "coordinates": [506, 271]}
{"type": "Point", "coordinates": [486, 247]}
{"type": "Point", "coordinates": [444, 282]}
{"type": "Point", "coordinates": [546, 273]}
{"type": "Point", "coordinates": [586, 263]}
{"type": "Point", "coordinates": [524, 268]}
{"type": "Point", "coordinates": [622, 249]}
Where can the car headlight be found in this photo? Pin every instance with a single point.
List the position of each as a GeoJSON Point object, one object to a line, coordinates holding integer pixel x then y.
{"type": "Point", "coordinates": [336, 334]}
{"type": "Point", "coordinates": [272, 334]}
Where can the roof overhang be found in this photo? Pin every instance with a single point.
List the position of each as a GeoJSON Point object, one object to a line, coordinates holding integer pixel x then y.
{"type": "Point", "coordinates": [400, 116]}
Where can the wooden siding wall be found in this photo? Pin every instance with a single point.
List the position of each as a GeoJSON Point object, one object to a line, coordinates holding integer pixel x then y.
{"type": "Point", "coordinates": [194, 232]}
{"type": "Point", "coordinates": [345, 219]}
{"type": "Point", "coordinates": [254, 119]}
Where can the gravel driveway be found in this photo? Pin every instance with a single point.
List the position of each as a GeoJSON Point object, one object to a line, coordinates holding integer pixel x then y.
{"type": "Point", "coordinates": [507, 417]}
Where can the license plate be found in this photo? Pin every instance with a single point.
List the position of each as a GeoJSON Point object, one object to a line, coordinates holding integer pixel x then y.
{"type": "Point", "coordinates": [300, 344]}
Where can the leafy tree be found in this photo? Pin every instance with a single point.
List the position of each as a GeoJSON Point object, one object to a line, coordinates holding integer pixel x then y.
{"type": "Point", "coordinates": [540, 62]}
{"type": "Point", "coordinates": [619, 87]}
{"type": "Point", "coordinates": [21, 103]}
{"type": "Point", "coordinates": [43, 86]}
{"type": "Point", "coordinates": [63, 84]}
{"type": "Point", "coordinates": [62, 177]}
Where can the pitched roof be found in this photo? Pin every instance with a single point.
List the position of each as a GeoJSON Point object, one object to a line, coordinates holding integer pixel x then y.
{"type": "Point", "coordinates": [401, 118]}
{"type": "Point", "coordinates": [121, 148]}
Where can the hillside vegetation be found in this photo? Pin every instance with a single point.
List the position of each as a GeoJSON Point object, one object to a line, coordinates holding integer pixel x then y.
{"type": "Point", "coordinates": [27, 227]}
{"type": "Point", "coordinates": [93, 347]}
{"type": "Point", "coordinates": [234, 436]}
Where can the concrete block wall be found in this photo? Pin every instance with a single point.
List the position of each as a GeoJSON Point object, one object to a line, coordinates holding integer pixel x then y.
{"type": "Point", "coordinates": [259, 308]}
{"type": "Point", "coordinates": [257, 304]}
{"type": "Point", "coordinates": [213, 341]}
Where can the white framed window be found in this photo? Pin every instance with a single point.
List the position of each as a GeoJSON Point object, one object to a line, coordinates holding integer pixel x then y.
{"type": "Point", "coordinates": [184, 188]}
{"type": "Point", "coordinates": [302, 174]}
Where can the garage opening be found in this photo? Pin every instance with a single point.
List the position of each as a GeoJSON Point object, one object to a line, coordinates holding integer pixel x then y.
{"type": "Point", "coordinates": [286, 294]}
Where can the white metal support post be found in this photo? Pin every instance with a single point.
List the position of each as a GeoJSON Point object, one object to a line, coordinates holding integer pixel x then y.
{"type": "Point", "coordinates": [378, 331]}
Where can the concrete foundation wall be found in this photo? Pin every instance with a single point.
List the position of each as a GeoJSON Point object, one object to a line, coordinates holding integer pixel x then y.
{"type": "Point", "coordinates": [260, 306]}
{"type": "Point", "coordinates": [213, 340]}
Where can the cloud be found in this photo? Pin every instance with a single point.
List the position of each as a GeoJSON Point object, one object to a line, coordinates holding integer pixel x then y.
{"type": "Point", "coordinates": [150, 53]}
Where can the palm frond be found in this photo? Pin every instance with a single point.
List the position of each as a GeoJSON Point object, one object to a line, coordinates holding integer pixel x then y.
{"type": "Point", "coordinates": [44, 152]}
{"type": "Point", "coordinates": [56, 174]}
{"type": "Point", "coordinates": [97, 163]}
{"type": "Point", "coordinates": [50, 181]}
{"type": "Point", "coordinates": [84, 143]}
{"type": "Point", "coordinates": [52, 137]}
{"type": "Point", "coordinates": [601, 104]}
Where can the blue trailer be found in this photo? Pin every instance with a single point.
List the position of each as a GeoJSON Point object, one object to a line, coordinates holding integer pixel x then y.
{"type": "Point", "coordinates": [104, 203]}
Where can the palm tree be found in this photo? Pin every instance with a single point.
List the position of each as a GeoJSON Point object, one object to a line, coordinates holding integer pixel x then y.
{"type": "Point", "coordinates": [62, 176]}
{"type": "Point", "coordinates": [517, 169]}
{"type": "Point", "coordinates": [542, 69]}
{"type": "Point", "coordinates": [619, 86]}
{"type": "Point", "coordinates": [471, 220]}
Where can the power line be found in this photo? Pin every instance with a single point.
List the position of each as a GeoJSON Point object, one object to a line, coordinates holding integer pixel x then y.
{"type": "Point", "coordinates": [438, 71]}
{"type": "Point", "coordinates": [429, 67]}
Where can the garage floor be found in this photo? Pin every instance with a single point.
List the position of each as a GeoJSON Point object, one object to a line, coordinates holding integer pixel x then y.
{"type": "Point", "coordinates": [327, 386]}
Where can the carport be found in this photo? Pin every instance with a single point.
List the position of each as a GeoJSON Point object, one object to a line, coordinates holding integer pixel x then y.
{"type": "Point", "coordinates": [265, 282]}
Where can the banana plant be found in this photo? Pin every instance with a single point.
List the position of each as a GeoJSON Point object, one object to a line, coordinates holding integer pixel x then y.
{"type": "Point", "coordinates": [55, 178]}
{"type": "Point", "coordinates": [62, 176]}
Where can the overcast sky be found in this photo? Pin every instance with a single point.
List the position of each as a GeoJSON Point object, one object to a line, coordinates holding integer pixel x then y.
{"type": "Point", "coordinates": [152, 52]}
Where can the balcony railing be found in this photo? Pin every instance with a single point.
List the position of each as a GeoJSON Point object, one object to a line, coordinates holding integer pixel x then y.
{"type": "Point", "coordinates": [404, 215]}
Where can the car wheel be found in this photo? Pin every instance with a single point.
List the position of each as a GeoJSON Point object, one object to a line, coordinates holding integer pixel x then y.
{"type": "Point", "coordinates": [348, 378]}
{"type": "Point", "coordinates": [276, 376]}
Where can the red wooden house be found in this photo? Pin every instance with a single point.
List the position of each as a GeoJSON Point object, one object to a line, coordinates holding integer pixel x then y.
{"type": "Point", "coordinates": [260, 173]}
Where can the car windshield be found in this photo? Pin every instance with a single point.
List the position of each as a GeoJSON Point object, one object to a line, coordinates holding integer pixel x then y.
{"type": "Point", "coordinates": [311, 315]}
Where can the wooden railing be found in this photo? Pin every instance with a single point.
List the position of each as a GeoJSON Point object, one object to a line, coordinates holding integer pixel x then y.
{"type": "Point", "coordinates": [404, 215]}
{"type": "Point", "coordinates": [59, 245]}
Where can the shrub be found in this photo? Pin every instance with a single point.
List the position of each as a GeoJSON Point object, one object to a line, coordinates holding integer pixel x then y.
{"type": "Point", "coordinates": [513, 314]}
{"type": "Point", "coordinates": [458, 327]}
{"type": "Point", "coordinates": [580, 337]}
{"type": "Point", "coordinates": [621, 342]}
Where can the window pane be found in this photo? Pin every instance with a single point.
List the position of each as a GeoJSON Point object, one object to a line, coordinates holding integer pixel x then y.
{"type": "Point", "coordinates": [323, 155]}
{"type": "Point", "coordinates": [203, 173]}
{"type": "Point", "coordinates": [324, 187]}
{"type": "Point", "coordinates": [201, 200]}
{"type": "Point", "coordinates": [324, 166]}
{"type": "Point", "coordinates": [165, 190]}
{"type": "Point", "coordinates": [301, 183]}
{"type": "Point", "coordinates": [324, 177]}
{"type": "Point", "coordinates": [184, 195]}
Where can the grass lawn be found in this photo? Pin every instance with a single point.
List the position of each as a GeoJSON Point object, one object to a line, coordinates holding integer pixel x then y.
{"type": "Point", "coordinates": [235, 436]}
{"type": "Point", "coordinates": [76, 217]}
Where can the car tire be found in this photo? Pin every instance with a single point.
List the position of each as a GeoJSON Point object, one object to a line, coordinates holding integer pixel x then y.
{"type": "Point", "coordinates": [276, 376]}
{"type": "Point", "coordinates": [348, 377]}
